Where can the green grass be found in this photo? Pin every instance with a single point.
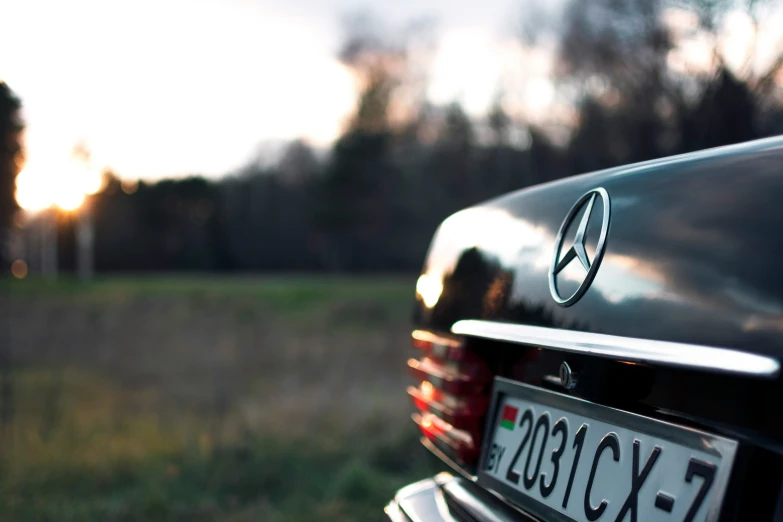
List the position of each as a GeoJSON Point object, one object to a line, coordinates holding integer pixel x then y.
{"type": "Point", "coordinates": [280, 290]}
{"type": "Point", "coordinates": [299, 295]}
{"type": "Point", "coordinates": [227, 399]}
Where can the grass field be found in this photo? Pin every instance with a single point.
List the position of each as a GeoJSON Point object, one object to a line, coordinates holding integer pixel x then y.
{"type": "Point", "coordinates": [205, 399]}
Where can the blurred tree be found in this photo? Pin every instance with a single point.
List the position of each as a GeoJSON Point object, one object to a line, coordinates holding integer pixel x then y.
{"type": "Point", "coordinates": [378, 62]}
{"type": "Point", "coordinates": [298, 165]}
{"type": "Point", "coordinates": [390, 66]}
{"type": "Point", "coordinates": [615, 60]}
{"type": "Point", "coordinates": [613, 48]}
{"type": "Point", "coordinates": [452, 160]}
{"type": "Point", "coordinates": [11, 157]}
{"type": "Point", "coordinates": [748, 91]}
{"type": "Point", "coordinates": [613, 53]}
{"type": "Point", "coordinates": [353, 201]}
{"type": "Point", "coordinates": [403, 164]}
{"type": "Point", "coordinates": [546, 162]}
{"type": "Point", "coordinates": [458, 132]}
{"type": "Point", "coordinates": [726, 113]}
{"type": "Point", "coordinates": [169, 225]}
{"type": "Point", "coordinates": [499, 123]}
{"type": "Point", "coordinates": [356, 205]}
{"type": "Point", "coordinates": [760, 65]}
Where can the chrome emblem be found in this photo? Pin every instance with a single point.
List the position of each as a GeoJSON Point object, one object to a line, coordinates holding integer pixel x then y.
{"type": "Point", "coordinates": [577, 250]}
{"type": "Point", "coordinates": [567, 376]}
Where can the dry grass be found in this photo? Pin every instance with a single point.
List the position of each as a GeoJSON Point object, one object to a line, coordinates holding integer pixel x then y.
{"type": "Point", "coordinates": [205, 399]}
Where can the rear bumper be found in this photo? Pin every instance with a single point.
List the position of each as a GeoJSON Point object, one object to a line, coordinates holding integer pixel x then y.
{"type": "Point", "coordinates": [446, 498]}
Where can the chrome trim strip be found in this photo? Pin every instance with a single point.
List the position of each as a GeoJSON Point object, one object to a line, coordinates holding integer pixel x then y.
{"type": "Point", "coordinates": [627, 349]}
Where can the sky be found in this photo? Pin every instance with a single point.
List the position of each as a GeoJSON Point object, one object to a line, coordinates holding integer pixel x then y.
{"type": "Point", "coordinates": [167, 88]}
{"type": "Point", "coordinates": [171, 88]}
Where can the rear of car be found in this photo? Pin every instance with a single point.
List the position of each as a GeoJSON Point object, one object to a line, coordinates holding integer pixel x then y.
{"type": "Point", "coordinates": [607, 347]}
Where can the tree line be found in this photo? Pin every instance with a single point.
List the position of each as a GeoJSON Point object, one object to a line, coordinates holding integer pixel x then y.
{"type": "Point", "coordinates": [372, 202]}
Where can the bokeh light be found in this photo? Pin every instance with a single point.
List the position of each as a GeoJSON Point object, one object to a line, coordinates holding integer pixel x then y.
{"type": "Point", "coordinates": [19, 269]}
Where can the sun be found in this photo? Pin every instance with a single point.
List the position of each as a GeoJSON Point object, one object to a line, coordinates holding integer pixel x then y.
{"type": "Point", "coordinates": [62, 184]}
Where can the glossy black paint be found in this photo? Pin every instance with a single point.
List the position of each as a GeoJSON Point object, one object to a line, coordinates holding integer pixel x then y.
{"type": "Point", "coordinates": [693, 254]}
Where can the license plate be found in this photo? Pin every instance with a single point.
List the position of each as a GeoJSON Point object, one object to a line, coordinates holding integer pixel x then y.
{"type": "Point", "coordinates": [566, 459]}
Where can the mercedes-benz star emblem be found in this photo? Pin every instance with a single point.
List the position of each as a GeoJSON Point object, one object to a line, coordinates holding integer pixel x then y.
{"type": "Point", "coordinates": [577, 250]}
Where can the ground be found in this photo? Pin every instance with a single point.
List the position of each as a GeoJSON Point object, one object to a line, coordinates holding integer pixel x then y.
{"type": "Point", "coordinates": [231, 399]}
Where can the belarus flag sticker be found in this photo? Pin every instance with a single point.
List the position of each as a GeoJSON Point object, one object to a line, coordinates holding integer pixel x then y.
{"type": "Point", "coordinates": [509, 418]}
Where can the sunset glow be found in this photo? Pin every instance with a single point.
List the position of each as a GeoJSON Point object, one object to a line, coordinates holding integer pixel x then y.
{"type": "Point", "coordinates": [62, 184]}
{"type": "Point", "coordinates": [269, 72]}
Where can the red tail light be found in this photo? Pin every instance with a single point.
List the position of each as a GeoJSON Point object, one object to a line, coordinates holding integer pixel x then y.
{"type": "Point", "coordinates": [451, 441]}
{"type": "Point", "coordinates": [451, 396]}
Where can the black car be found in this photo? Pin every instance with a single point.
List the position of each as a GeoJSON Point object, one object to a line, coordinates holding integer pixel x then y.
{"type": "Point", "coordinates": [607, 348]}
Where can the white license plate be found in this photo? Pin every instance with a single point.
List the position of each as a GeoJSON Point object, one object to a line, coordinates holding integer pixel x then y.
{"type": "Point", "coordinates": [566, 459]}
